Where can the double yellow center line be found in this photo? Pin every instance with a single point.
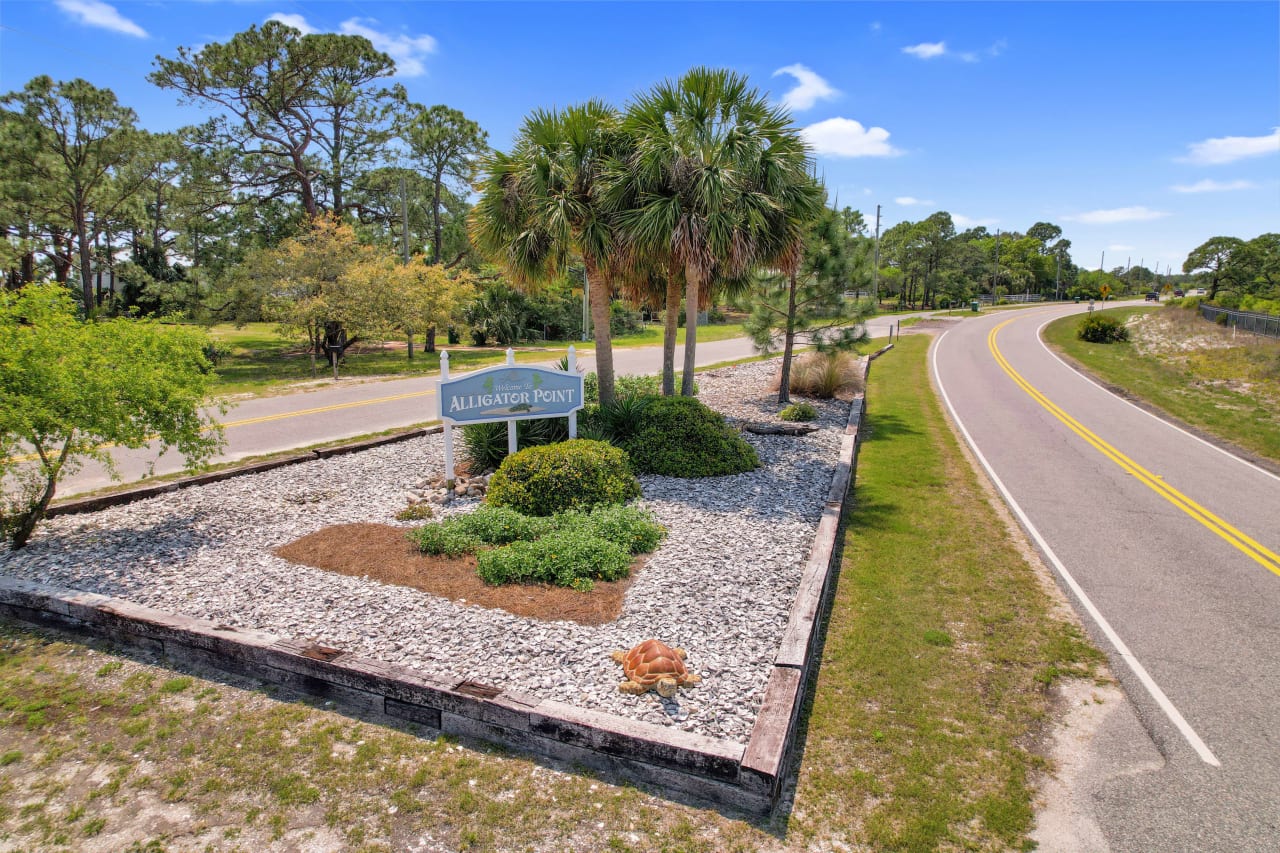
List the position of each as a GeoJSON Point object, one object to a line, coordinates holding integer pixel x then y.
{"type": "Point", "coordinates": [1251, 548]}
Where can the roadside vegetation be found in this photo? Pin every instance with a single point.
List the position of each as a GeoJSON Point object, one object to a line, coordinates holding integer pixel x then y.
{"type": "Point", "coordinates": [1225, 383]}
{"type": "Point", "coordinates": [256, 359]}
{"type": "Point", "coordinates": [939, 653]}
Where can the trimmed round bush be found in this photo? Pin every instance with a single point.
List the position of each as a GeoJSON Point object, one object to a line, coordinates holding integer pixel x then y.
{"type": "Point", "coordinates": [681, 437]}
{"type": "Point", "coordinates": [571, 557]}
{"type": "Point", "coordinates": [577, 474]}
{"type": "Point", "coordinates": [1102, 329]}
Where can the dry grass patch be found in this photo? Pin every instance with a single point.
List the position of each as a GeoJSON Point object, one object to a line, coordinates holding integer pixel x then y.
{"type": "Point", "coordinates": [1224, 383]}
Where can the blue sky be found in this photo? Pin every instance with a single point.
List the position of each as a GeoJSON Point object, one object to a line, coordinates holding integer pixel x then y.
{"type": "Point", "coordinates": [1140, 128]}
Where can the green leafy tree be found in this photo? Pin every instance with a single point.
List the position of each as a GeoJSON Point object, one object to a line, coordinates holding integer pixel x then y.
{"type": "Point", "coordinates": [544, 203]}
{"type": "Point", "coordinates": [1214, 257]}
{"type": "Point", "coordinates": [75, 160]}
{"type": "Point", "coordinates": [810, 300]}
{"type": "Point", "coordinates": [447, 146]}
{"type": "Point", "coordinates": [70, 387]}
{"type": "Point", "coordinates": [298, 110]}
{"type": "Point", "coordinates": [717, 184]}
{"type": "Point", "coordinates": [303, 284]}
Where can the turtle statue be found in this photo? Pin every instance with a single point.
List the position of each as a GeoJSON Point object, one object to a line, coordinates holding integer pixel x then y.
{"type": "Point", "coordinates": [653, 665]}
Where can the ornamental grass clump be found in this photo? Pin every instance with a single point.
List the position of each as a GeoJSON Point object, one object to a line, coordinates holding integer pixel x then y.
{"type": "Point", "coordinates": [577, 474]}
{"type": "Point", "coordinates": [826, 375]}
{"type": "Point", "coordinates": [681, 437]}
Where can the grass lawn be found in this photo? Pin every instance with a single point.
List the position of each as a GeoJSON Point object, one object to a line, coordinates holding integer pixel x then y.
{"type": "Point", "coordinates": [260, 361]}
{"type": "Point", "coordinates": [1227, 385]}
{"type": "Point", "coordinates": [932, 688]}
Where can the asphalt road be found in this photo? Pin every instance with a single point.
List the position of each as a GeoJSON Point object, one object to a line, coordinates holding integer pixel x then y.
{"type": "Point", "coordinates": [347, 408]}
{"type": "Point", "coordinates": [1168, 549]}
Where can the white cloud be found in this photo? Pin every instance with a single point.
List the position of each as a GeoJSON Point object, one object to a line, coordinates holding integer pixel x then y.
{"type": "Point", "coordinates": [908, 201]}
{"type": "Point", "coordinates": [809, 89]}
{"type": "Point", "coordinates": [962, 221]}
{"type": "Point", "coordinates": [1228, 149]}
{"type": "Point", "coordinates": [844, 137]}
{"type": "Point", "coordinates": [408, 51]}
{"type": "Point", "coordinates": [1211, 186]}
{"type": "Point", "coordinates": [1116, 214]}
{"type": "Point", "coordinates": [94, 13]}
{"type": "Point", "coordinates": [926, 50]}
{"type": "Point", "coordinates": [296, 21]}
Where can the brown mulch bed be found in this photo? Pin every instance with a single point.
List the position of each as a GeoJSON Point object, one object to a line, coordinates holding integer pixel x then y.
{"type": "Point", "coordinates": [384, 553]}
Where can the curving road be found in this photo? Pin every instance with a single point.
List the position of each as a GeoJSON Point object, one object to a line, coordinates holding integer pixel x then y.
{"type": "Point", "coordinates": [1170, 550]}
{"type": "Point", "coordinates": [348, 408]}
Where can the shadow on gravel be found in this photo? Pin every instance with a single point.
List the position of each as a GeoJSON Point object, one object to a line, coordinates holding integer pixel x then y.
{"type": "Point", "coordinates": [113, 561]}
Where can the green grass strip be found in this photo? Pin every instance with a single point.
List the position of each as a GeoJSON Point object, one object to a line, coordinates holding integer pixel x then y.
{"type": "Point", "coordinates": [1227, 391]}
{"type": "Point", "coordinates": [941, 645]}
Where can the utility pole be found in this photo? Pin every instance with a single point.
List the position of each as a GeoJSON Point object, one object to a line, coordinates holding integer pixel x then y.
{"type": "Point", "coordinates": [1057, 274]}
{"type": "Point", "coordinates": [875, 270]}
{"type": "Point", "coordinates": [1102, 264]}
{"type": "Point", "coordinates": [404, 220]}
{"type": "Point", "coordinates": [996, 277]}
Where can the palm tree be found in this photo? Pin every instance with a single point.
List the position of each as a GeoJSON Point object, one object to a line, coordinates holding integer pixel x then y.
{"type": "Point", "coordinates": [718, 181]}
{"type": "Point", "coordinates": [543, 203]}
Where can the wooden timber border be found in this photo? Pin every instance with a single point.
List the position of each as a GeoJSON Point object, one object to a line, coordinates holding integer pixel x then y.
{"type": "Point", "coordinates": [748, 779]}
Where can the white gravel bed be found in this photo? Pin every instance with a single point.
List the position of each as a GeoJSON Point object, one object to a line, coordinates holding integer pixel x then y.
{"type": "Point", "coordinates": [720, 585]}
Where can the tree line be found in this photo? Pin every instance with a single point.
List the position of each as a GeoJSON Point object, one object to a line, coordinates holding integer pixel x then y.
{"type": "Point", "coordinates": [300, 126]}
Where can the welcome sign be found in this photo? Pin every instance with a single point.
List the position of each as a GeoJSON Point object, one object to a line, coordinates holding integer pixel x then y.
{"type": "Point", "coordinates": [510, 393]}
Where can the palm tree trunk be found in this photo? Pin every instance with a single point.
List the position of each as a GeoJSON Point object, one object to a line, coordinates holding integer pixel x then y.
{"type": "Point", "coordinates": [670, 329]}
{"type": "Point", "coordinates": [692, 288]}
{"type": "Point", "coordinates": [600, 292]}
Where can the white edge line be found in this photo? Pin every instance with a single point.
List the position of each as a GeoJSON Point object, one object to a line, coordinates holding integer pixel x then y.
{"type": "Point", "coordinates": [1170, 425]}
{"type": "Point", "coordinates": [1123, 650]}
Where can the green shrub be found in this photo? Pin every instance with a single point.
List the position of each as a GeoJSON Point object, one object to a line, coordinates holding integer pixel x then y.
{"type": "Point", "coordinates": [576, 474]}
{"type": "Point", "coordinates": [631, 528]}
{"type": "Point", "coordinates": [825, 374]}
{"type": "Point", "coordinates": [622, 418]}
{"type": "Point", "coordinates": [445, 539]}
{"type": "Point", "coordinates": [1102, 329]}
{"type": "Point", "coordinates": [484, 446]}
{"type": "Point", "coordinates": [680, 437]}
{"type": "Point", "coordinates": [570, 557]}
{"type": "Point", "coordinates": [1222, 319]}
{"type": "Point", "coordinates": [500, 525]}
{"type": "Point", "coordinates": [799, 412]}
{"type": "Point", "coordinates": [626, 386]}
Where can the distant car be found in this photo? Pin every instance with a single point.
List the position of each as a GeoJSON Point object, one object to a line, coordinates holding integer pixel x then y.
{"type": "Point", "coordinates": [1177, 294]}
{"type": "Point", "coordinates": [1152, 296]}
